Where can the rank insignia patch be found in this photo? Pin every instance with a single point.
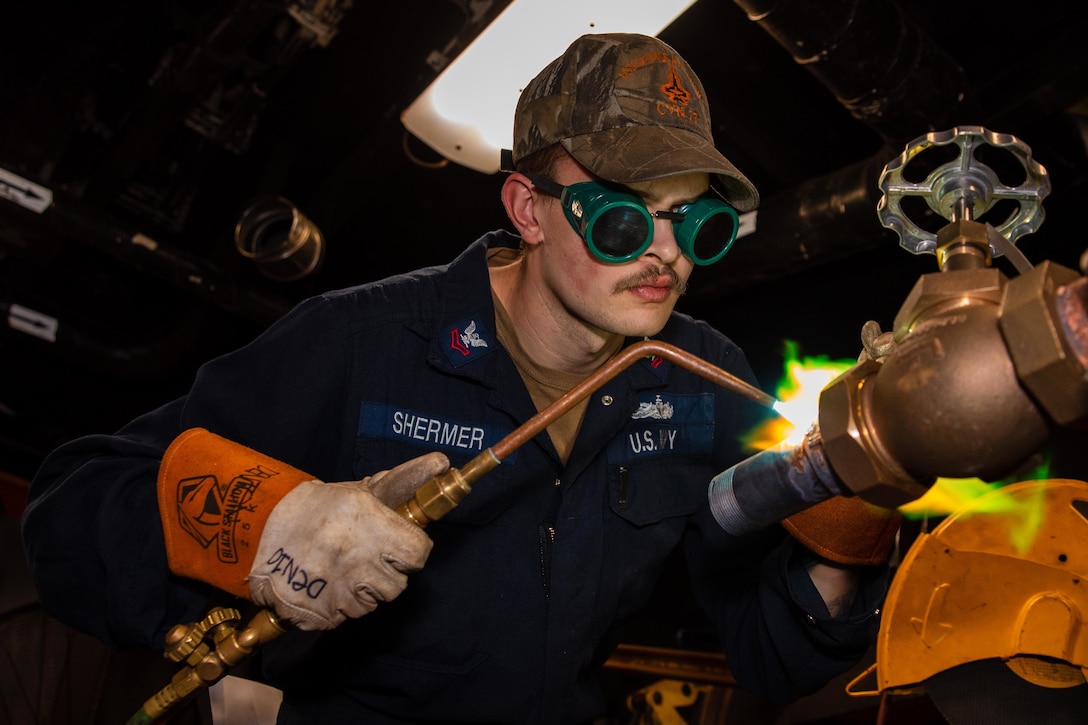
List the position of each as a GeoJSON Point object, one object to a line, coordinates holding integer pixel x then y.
{"type": "Point", "coordinates": [467, 341]}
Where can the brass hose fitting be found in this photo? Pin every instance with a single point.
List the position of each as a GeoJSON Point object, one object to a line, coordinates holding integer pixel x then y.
{"type": "Point", "coordinates": [433, 500]}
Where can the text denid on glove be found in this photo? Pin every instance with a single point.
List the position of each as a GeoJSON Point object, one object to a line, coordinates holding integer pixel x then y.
{"type": "Point", "coordinates": [295, 576]}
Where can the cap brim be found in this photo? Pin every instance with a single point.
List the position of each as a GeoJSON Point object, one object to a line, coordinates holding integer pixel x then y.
{"type": "Point", "coordinates": [643, 153]}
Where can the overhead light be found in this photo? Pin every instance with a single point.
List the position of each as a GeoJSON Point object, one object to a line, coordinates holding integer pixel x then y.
{"type": "Point", "coordinates": [467, 113]}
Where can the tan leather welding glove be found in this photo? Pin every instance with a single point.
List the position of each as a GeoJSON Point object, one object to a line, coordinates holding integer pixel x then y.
{"type": "Point", "coordinates": [315, 553]}
{"type": "Point", "coordinates": [846, 530]}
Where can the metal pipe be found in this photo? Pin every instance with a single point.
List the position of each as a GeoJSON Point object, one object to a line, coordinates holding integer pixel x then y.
{"type": "Point", "coordinates": [881, 66]}
{"type": "Point", "coordinates": [610, 369]}
{"type": "Point", "coordinates": [888, 74]}
{"type": "Point", "coordinates": [692, 666]}
{"type": "Point", "coordinates": [442, 493]}
{"type": "Point", "coordinates": [75, 219]}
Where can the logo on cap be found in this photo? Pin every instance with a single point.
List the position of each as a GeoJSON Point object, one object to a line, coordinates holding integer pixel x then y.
{"type": "Point", "coordinates": [674, 90]}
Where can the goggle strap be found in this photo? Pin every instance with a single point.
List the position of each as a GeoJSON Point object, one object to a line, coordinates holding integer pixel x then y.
{"type": "Point", "coordinates": [549, 187]}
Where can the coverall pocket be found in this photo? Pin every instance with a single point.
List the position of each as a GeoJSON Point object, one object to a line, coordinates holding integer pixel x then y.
{"type": "Point", "coordinates": [646, 493]}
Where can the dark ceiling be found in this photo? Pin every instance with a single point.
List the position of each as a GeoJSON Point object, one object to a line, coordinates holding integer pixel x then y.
{"type": "Point", "coordinates": [160, 122]}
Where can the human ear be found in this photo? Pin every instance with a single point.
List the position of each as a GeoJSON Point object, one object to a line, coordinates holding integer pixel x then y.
{"type": "Point", "coordinates": [520, 204]}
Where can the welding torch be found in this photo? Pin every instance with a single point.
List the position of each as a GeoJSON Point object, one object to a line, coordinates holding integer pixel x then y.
{"type": "Point", "coordinates": [209, 648]}
{"type": "Point", "coordinates": [442, 493]}
{"type": "Point", "coordinates": [885, 430]}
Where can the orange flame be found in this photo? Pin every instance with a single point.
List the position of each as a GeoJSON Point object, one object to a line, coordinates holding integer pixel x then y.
{"type": "Point", "coordinates": [798, 396]}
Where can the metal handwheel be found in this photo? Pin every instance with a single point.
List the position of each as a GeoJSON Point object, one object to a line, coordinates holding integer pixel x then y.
{"type": "Point", "coordinates": [964, 188]}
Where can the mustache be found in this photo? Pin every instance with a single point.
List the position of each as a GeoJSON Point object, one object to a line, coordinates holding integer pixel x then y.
{"type": "Point", "coordinates": [651, 275]}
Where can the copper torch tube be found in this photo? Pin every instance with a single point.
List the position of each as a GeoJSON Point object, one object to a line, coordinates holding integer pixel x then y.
{"type": "Point", "coordinates": [442, 493]}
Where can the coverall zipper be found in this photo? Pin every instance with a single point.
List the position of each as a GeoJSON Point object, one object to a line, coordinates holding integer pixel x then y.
{"type": "Point", "coordinates": [547, 540]}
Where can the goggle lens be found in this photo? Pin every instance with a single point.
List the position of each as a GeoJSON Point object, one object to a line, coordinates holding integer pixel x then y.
{"type": "Point", "coordinates": [708, 230]}
{"type": "Point", "coordinates": [619, 232]}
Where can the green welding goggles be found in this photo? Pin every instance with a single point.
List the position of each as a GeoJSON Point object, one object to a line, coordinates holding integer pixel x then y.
{"type": "Point", "coordinates": [618, 227]}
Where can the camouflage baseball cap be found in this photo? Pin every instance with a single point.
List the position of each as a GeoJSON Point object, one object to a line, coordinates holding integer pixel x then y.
{"type": "Point", "coordinates": [629, 109]}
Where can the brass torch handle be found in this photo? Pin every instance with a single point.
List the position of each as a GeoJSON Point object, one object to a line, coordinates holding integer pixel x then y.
{"type": "Point", "coordinates": [440, 495]}
{"type": "Point", "coordinates": [206, 666]}
{"type": "Point", "coordinates": [444, 492]}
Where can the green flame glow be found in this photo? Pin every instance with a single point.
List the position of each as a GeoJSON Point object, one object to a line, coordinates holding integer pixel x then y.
{"type": "Point", "coordinates": [973, 496]}
{"type": "Point", "coordinates": [798, 394]}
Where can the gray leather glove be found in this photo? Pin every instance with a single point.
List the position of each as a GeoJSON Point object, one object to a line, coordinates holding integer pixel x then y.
{"type": "Point", "coordinates": [330, 551]}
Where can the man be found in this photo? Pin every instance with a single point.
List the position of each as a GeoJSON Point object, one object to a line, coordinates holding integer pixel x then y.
{"type": "Point", "coordinates": [504, 608]}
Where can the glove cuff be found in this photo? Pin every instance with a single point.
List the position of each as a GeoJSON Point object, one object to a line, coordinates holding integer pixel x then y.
{"type": "Point", "coordinates": [215, 497]}
{"type": "Point", "coordinates": [846, 530]}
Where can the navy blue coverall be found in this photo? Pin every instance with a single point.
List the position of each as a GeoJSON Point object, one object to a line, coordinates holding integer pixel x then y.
{"type": "Point", "coordinates": [530, 578]}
